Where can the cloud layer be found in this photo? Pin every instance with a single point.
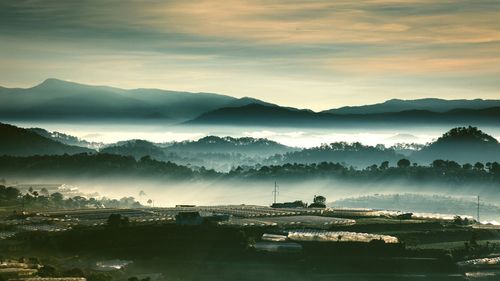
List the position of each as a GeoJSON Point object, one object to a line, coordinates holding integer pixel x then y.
{"type": "Point", "coordinates": [316, 54]}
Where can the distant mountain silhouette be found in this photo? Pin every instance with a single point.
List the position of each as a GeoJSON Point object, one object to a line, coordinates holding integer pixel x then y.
{"type": "Point", "coordinates": [66, 139]}
{"type": "Point", "coordinates": [248, 100]}
{"type": "Point", "coordinates": [351, 154]}
{"type": "Point", "coordinates": [245, 145]}
{"type": "Point", "coordinates": [135, 148]}
{"type": "Point", "coordinates": [54, 99]}
{"type": "Point", "coordinates": [211, 152]}
{"type": "Point", "coordinates": [262, 115]}
{"type": "Point", "coordinates": [205, 145]}
{"type": "Point", "coordinates": [430, 104]}
{"type": "Point", "coordinates": [464, 145]}
{"type": "Point", "coordinates": [17, 141]}
{"type": "Point", "coordinates": [259, 114]}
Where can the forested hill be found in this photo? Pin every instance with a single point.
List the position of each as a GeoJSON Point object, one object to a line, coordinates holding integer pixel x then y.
{"type": "Point", "coordinates": [22, 142]}
{"type": "Point", "coordinates": [244, 145]}
{"type": "Point", "coordinates": [462, 144]}
{"type": "Point", "coordinates": [65, 139]}
{"type": "Point", "coordinates": [135, 148]}
{"type": "Point", "coordinates": [352, 154]}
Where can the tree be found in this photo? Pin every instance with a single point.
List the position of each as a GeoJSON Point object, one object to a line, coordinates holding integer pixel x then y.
{"type": "Point", "coordinates": [57, 198]}
{"type": "Point", "coordinates": [479, 166]}
{"type": "Point", "coordinates": [318, 202]}
{"type": "Point", "coordinates": [488, 166]}
{"type": "Point", "coordinates": [384, 165]}
{"type": "Point", "coordinates": [8, 194]}
{"type": "Point", "coordinates": [467, 166]}
{"type": "Point", "coordinates": [495, 168]}
{"type": "Point", "coordinates": [438, 164]}
{"type": "Point", "coordinates": [404, 163]}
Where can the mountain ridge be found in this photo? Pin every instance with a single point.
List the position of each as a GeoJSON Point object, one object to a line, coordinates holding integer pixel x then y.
{"type": "Point", "coordinates": [54, 99]}
{"type": "Point", "coordinates": [17, 141]}
{"type": "Point", "coordinates": [257, 114]}
{"type": "Point", "coordinates": [431, 104]}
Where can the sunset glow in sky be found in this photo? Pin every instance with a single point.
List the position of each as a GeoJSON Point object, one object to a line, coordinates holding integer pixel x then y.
{"type": "Point", "coordinates": [306, 54]}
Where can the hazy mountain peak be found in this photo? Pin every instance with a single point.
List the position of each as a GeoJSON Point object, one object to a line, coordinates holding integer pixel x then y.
{"type": "Point", "coordinates": [54, 82]}
{"type": "Point", "coordinates": [56, 99]}
{"type": "Point", "coordinates": [244, 101]}
{"type": "Point", "coordinates": [429, 104]}
{"type": "Point", "coordinates": [59, 84]}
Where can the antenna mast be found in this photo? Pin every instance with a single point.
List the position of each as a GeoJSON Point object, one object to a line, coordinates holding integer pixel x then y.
{"type": "Point", "coordinates": [275, 191]}
{"type": "Point", "coordinates": [478, 208]}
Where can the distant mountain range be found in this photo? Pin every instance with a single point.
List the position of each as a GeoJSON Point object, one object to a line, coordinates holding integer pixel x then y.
{"type": "Point", "coordinates": [429, 104]}
{"type": "Point", "coordinates": [56, 99]}
{"type": "Point", "coordinates": [262, 115]}
{"type": "Point", "coordinates": [220, 153]}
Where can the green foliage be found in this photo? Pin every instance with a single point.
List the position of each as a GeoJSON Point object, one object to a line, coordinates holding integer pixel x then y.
{"type": "Point", "coordinates": [106, 165]}
{"type": "Point", "coordinates": [355, 154]}
{"type": "Point", "coordinates": [468, 134]}
{"type": "Point", "coordinates": [462, 144]}
{"type": "Point", "coordinates": [404, 163]}
{"type": "Point", "coordinates": [319, 201]}
{"type": "Point", "coordinates": [38, 200]}
{"type": "Point", "coordinates": [92, 164]}
{"type": "Point", "coordinates": [461, 221]}
{"type": "Point", "coordinates": [8, 194]}
{"type": "Point", "coordinates": [23, 142]}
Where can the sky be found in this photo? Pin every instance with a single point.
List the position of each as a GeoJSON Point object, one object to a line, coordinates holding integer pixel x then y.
{"type": "Point", "coordinates": [305, 54]}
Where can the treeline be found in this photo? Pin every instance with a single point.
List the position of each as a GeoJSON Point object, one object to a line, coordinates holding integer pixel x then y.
{"type": "Point", "coordinates": [81, 165]}
{"type": "Point", "coordinates": [42, 199]}
{"type": "Point", "coordinates": [102, 165]}
{"type": "Point", "coordinates": [355, 154]}
{"type": "Point", "coordinates": [439, 170]}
